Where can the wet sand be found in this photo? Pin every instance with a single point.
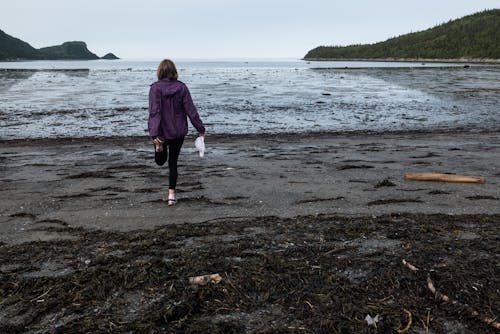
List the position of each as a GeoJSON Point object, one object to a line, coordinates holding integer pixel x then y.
{"type": "Point", "coordinates": [115, 185]}
{"type": "Point", "coordinates": [76, 212]}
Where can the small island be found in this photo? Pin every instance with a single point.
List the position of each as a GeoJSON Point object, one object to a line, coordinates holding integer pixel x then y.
{"type": "Point", "coordinates": [473, 38]}
{"type": "Point", "coordinates": [109, 56]}
{"type": "Point", "coordinates": [12, 49]}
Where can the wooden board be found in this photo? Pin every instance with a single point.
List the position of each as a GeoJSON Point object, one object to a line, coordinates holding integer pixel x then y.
{"type": "Point", "coordinates": [444, 177]}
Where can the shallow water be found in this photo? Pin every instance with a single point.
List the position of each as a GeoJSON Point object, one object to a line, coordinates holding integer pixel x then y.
{"type": "Point", "coordinates": [109, 98]}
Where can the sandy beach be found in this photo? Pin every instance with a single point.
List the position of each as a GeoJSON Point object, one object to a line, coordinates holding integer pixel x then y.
{"type": "Point", "coordinates": [308, 232]}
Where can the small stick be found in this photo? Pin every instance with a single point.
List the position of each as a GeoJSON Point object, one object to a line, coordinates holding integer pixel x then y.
{"type": "Point", "coordinates": [428, 320]}
{"type": "Point", "coordinates": [43, 294]}
{"type": "Point", "coordinates": [205, 279]}
{"type": "Point", "coordinates": [409, 265]}
{"type": "Point", "coordinates": [438, 294]}
{"type": "Point", "coordinates": [445, 298]}
{"type": "Point", "coordinates": [474, 313]}
{"type": "Point", "coordinates": [410, 321]}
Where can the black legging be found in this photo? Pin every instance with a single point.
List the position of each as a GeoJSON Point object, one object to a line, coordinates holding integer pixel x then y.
{"type": "Point", "coordinates": [171, 150]}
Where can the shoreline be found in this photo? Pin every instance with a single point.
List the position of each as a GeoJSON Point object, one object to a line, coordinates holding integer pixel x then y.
{"type": "Point", "coordinates": [412, 60]}
{"type": "Point", "coordinates": [275, 135]}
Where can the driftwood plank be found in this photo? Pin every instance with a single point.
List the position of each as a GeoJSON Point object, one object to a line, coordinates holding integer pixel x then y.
{"type": "Point", "coordinates": [444, 177]}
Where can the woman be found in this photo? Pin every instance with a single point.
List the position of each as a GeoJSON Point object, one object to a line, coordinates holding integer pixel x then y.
{"type": "Point", "coordinates": [169, 104]}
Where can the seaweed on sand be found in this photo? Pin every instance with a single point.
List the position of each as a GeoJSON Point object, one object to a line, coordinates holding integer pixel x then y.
{"type": "Point", "coordinates": [385, 183]}
{"type": "Point", "coordinates": [311, 274]}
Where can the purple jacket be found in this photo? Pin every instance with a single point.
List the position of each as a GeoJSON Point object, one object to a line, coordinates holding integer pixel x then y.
{"type": "Point", "coordinates": [169, 104]}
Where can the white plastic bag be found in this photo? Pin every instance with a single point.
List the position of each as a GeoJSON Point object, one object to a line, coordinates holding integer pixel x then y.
{"type": "Point", "coordinates": [200, 145]}
{"type": "Point", "coordinates": [372, 321]}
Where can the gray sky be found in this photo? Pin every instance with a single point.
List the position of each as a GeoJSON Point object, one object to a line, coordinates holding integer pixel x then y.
{"type": "Point", "coordinates": [223, 28]}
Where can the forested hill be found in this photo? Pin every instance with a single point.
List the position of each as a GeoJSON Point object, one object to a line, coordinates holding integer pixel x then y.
{"type": "Point", "coordinates": [12, 48]}
{"type": "Point", "coordinates": [67, 50]}
{"type": "Point", "coordinates": [473, 37]}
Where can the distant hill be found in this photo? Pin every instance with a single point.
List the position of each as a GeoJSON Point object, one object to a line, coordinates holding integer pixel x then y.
{"type": "Point", "coordinates": [68, 50]}
{"type": "Point", "coordinates": [12, 48]}
{"type": "Point", "coordinates": [475, 37]}
{"type": "Point", "coordinates": [109, 56]}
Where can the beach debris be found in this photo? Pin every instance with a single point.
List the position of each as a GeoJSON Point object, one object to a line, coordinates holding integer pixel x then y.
{"type": "Point", "coordinates": [344, 167]}
{"type": "Point", "coordinates": [372, 321]}
{"type": "Point", "coordinates": [444, 177]}
{"type": "Point", "coordinates": [39, 298]}
{"type": "Point", "coordinates": [59, 327]}
{"type": "Point", "coordinates": [408, 325]}
{"type": "Point", "coordinates": [446, 299]}
{"type": "Point", "coordinates": [409, 265]}
{"type": "Point", "coordinates": [205, 279]}
{"type": "Point", "coordinates": [394, 200]}
{"type": "Point", "coordinates": [442, 297]}
{"type": "Point", "coordinates": [479, 197]}
{"type": "Point", "coordinates": [385, 183]}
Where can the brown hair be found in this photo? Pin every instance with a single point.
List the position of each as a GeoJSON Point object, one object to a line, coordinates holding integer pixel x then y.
{"type": "Point", "coordinates": [167, 70]}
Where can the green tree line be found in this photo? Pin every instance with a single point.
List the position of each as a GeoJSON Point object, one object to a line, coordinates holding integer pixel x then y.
{"type": "Point", "coordinates": [473, 36]}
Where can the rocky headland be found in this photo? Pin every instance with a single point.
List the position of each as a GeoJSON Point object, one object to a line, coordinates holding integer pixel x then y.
{"type": "Point", "coordinates": [12, 49]}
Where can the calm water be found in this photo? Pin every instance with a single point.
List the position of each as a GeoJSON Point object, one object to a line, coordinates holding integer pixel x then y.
{"type": "Point", "coordinates": [109, 98]}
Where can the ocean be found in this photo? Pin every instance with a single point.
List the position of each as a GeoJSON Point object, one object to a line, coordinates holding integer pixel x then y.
{"type": "Point", "coordinates": [61, 99]}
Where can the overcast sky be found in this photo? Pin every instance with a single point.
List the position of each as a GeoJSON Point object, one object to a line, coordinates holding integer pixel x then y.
{"type": "Point", "coordinates": [223, 28]}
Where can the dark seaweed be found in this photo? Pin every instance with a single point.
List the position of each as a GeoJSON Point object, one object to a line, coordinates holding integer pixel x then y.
{"type": "Point", "coordinates": [311, 274]}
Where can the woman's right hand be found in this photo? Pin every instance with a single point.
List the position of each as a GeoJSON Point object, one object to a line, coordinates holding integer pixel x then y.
{"type": "Point", "coordinates": [158, 142]}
